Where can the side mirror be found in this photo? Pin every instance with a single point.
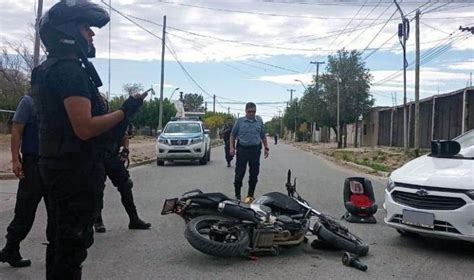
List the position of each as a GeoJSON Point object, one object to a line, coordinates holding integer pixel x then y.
{"type": "Point", "coordinates": [444, 148]}
{"type": "Point", "coordinates": [159, 131]}
{"type": "Point", "coordinates": [207, 131]}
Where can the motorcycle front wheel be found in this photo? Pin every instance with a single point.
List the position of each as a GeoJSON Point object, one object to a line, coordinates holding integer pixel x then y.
{"type": "Point", "coordinates": [217, 236]}
{"type": "Point", "coordinates": [341, 239]}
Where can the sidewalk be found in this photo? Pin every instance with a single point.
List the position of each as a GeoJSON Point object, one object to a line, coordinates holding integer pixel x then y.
{"type": "Point", "coordinates": [142, 150]}
{"type": "Point", "coordinates": [374, 160]}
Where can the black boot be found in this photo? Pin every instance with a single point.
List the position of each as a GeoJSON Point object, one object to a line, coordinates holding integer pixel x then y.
{"type": "Point", "coordinates": [137, 223]}
{"type": "Point", "coordinates": [99, 225]}
{"type": "Point", "coordinates": [11, 255]}
{"type": "Point", "coordinates": [129, 205]}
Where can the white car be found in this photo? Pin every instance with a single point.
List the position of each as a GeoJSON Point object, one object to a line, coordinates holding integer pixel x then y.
{"type": "Point", "coordinates": [183, 140]}
{"type": "Point", "coordinates": [434, 195]}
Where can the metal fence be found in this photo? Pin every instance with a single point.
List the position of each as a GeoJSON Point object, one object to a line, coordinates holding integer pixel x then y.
{"type": "Point", "coordinates": [442, 116]}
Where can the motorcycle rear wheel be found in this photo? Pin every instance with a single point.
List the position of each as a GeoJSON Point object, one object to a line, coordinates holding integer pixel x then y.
{"type": "Point", "coordinates": [342, 240]}
{"type": "Point", "coordinates": [235, 242]}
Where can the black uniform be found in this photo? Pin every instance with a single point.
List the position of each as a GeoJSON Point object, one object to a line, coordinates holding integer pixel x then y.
{"type": "Point", "coordinates": [226, 131]}
{"type": "Point", "coordinates": [30, 188]}
{"type": "Point", "coordinates": [71, 168]}
{"type": "Point", "coordinates": [120, 177]}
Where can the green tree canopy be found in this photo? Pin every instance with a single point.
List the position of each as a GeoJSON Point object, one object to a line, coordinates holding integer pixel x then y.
{"type": "Point", "coordinates": [193, 102]}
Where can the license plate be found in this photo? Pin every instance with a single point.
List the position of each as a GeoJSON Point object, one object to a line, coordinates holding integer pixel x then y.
{"type": "Point", "coordinates": [169, 206]}
{"type": "Point", "coordinates": [420, 219]}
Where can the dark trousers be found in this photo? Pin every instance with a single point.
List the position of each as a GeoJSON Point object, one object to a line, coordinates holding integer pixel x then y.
{"type": "Point", "coordinates": [120, 177]}
{"type": "Point", "coordinates": [228, 157]}
{"type": "Point", "coordinates": [247, 155]}
{"type": "Point", "coordinates": [30, 192]}
{"type": "Point", "coordinates": [71, 193]}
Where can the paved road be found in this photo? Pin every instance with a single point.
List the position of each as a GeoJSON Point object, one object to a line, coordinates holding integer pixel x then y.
{"type": "Point", "coordinates": [163, 253]}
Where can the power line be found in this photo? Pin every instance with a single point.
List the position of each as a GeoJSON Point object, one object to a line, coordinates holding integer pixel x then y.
{"type": "Point", "coordinates": [428, 56]}
{"type": "Point", "coordinates": [254, 13]}
{"type": "Point", "coordinates": [380, 30]}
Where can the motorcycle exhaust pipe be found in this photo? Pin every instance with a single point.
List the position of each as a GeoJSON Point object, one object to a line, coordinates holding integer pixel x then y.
{"type": "Point", "coordinates": [236, 211]}
{"type": "Point", "coordinates": [351, 260]}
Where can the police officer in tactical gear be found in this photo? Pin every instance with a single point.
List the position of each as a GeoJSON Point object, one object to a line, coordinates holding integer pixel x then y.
{"type": "Point", "coordinates": [30, 188]}
{"type": "Point", "coordinates": [120, 177]}
{"type": "Point", "coordinates": [74, 127]}
{"type": "Point", "coordinates": [225, 135]}
{"type": "Point", "coordinates": [249, 131]}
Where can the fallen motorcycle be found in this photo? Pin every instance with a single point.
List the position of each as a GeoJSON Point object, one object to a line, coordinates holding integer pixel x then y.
{"type": "Point", "coordinates": [219, 226]}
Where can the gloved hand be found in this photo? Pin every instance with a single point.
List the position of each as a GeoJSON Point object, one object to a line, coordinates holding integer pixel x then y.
{"type": "Point", "coordinates": [131, 106]}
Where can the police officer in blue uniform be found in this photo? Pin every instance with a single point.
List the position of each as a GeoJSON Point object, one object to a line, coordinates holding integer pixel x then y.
{"type": "Point", "coordinates": [30, 187]}
{"type": "Point", "coordinates": [249, 131]}
{"type": "Point", "coordinates": [73, 132]}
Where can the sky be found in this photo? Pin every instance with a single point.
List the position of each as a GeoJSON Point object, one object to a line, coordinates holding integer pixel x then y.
{"type": "Point", "coordinates": [252, 50]}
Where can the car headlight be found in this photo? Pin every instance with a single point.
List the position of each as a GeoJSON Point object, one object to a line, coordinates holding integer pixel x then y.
{"type": "Point", "coordinates": [163, 141]}
{"type": "Point", "coordinates": [196, 140]}
{"type": "Point", "coordinates": [390, 185]}
{"type": "Point", "coordinates": [470, 194]}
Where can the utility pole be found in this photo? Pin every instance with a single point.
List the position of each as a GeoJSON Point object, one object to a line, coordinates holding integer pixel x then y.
{"type": "Point", "coordinates": [214, 103]}
{"type": "Point", "coordinates": [314, 98]}
{"type": "Point", "coordinates": [294, 111]}
{"type": "Point", "coordinates": [163, 42]}
{"type": "Point", "coordinates": [228, 110]}
{"type": "Point", "coordinates": [338, 127]}
{"type": "Point", "coordinates": [417, 85]}
{"type": "Point", "coordinates": [37, 37]}
{"type": "Point", "coordinates": [205, 107]}
{"type": "Point", "coordinates": [281, 124]}
{"type": "Point", "coordinates": [403, 34]}
{"type": "Point", "coordinates": [109, 76]}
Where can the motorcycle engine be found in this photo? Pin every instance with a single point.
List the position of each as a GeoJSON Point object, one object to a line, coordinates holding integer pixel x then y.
{"type": "Point", "coordinates": [287, 223]}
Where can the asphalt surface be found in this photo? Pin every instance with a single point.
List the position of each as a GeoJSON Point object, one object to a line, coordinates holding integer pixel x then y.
{"type": "Point", "coordinates": [163, 252]}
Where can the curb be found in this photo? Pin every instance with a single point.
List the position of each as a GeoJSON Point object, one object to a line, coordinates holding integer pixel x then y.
{"type": "Point", "coordinates": [7, 176]}
{"type": "Point", "coordinates": [143, 162]}
{"type": "Point", "coordinates": [11, 176]}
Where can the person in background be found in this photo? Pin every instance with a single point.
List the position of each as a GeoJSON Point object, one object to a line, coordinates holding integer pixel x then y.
{"type": "Point", "coordinates": [249, 131]}
{"type": "Point", "coordinates": [24, 149]}
{"type": "Point", "coordinates": [225, 135]}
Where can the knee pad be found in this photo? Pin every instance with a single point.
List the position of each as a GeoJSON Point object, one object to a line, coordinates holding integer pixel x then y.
{"type": "Point", "coordinates": [127, 185]}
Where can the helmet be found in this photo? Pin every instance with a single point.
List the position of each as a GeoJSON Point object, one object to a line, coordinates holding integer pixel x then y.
{"type": "Point", "coordinates": [59, 27]}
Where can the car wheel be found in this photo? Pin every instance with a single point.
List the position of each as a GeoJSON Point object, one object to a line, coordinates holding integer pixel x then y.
{"type": "Point", "coordinates": [203, 160]}
{"type": "Point", "coordinates": [160, 162]}
{"type": "Point", "coordinates": [209, 155]}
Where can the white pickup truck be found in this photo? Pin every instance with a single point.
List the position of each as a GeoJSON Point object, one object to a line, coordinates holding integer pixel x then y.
{"type": "Point", "coordinates": [183, 140]}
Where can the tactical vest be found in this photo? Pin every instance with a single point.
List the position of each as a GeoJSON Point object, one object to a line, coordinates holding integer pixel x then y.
{"type": "Point", "coordinates": [56, 135]}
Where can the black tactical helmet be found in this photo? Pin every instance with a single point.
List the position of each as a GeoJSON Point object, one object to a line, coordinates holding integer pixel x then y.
{"type": "Point", "coordinates": [59, 27]}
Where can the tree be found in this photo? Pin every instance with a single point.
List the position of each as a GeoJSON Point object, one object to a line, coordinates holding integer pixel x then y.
{"type": "Point", "coordinates": [293, 115]}
{"type": "Point", "coordinates": [133, 88]}
{"type": "Point", "coordinates": [149, 112]}
{"type": "Point", "coordinates": [273, 126]}
{"type": "Point", "coordinates": [193, 102]}
{"type": "Point", "coordinates": [354, 84]}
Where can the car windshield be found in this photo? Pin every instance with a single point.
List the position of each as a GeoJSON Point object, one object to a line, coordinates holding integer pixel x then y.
{"type": "Point", "coordinates": [467, 144]}
{"type": "Point", "coordinates": [183, 128]}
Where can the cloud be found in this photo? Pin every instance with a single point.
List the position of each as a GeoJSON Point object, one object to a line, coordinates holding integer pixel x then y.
{"type": "Point", "coordinates": [130, 42]}
{"type": "Point", "coordinates": [465, 65]}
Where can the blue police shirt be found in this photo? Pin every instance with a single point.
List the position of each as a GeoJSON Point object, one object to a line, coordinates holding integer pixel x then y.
{"type": "Point", "coordinates": [26, 114]}
{"type": "Point", "coordinates": [249, 132]}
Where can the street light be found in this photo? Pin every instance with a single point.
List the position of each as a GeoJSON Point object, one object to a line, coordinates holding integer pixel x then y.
{"type": "Point", "coordinates": [305, 88]}
{"type": "Point", "coordinates": [173, 92]}
{"type": "Point", "coordinates": [403, 33]}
